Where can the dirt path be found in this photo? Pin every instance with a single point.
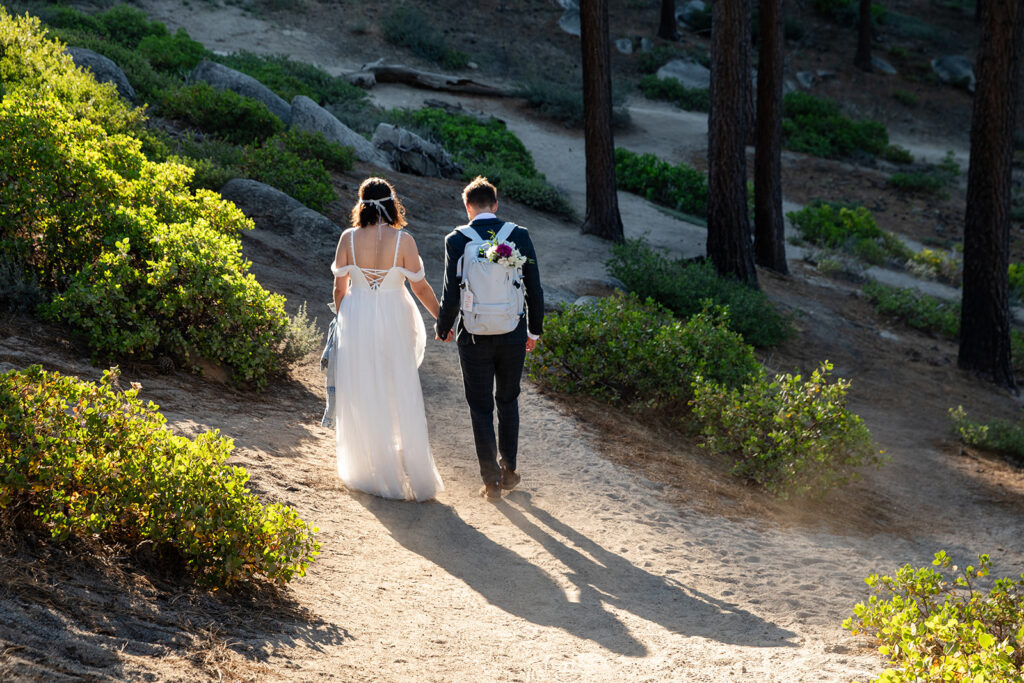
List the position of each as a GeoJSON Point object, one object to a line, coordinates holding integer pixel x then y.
{"type": "Point", "coordinates": [586, 573]}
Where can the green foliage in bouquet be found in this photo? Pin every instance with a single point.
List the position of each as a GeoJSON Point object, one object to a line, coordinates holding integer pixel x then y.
{"type": "Point", "coordinates": [86, 459]}
{"type": "Point", "coordinates": [632, 352]}
{"type": "Point", "coordinates": [787, 434]}
{"type": "Point", "coordinates": [942, 625]}
{"type": "Point", "coordinates": [679, 187]}
{"type": "Point", "coordinates": [683, 287]}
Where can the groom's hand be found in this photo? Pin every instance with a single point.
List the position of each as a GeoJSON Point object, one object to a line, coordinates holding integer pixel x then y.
{"type": "Point", "coordinates": [531, 344]}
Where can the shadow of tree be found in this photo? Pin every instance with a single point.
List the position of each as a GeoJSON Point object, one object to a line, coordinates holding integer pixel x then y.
{"type": "Point", "coordinates": [515, 585]}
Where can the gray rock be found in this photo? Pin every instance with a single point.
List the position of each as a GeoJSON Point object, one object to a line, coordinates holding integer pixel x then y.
{"type": "Point", "coordinates": [223, 78]}
{"type": "Point", "coordinates": [309, 116]}
{"type": "Point", "coordinates": [788, 86]}
{"type": "Point", "coordinates": [825, 75]}
{"type": "Point", "coordinates": [687, 10]}
{"type": "Point", "coordinates": [882, 66]}
{"type": "Point", "coordinates": [956, 70]}
{"type": "Point", "coordinates": [646, 45]}
{"type": "Point", "coordinates": [586, 300]}
{"type": "Point", "coordinates": [570, 22]}
{"type": "Point", "coordinates": [555, 298]}
{"type": "Point", "coordinates": [806, 79]}
{"type": "Point", "coordinates": [689, 74]}
{"type": "Point", "coordinates": [363, 79]}
{"type": "Point", "coordinates": [624, 45]}
{"type": "Point", "coordinates": [409, 153]}
{"type": "Point", "coordinates": [277, 212]}
{"type": "Point", "coordinates": [103, 69]}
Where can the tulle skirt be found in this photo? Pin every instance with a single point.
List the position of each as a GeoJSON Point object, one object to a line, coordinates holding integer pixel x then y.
{"type": "Point", "coordinates": [383, 447]}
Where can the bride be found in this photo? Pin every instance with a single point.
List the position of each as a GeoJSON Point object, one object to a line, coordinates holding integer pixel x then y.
{"type": "Point", "coordinates": [381, 427]}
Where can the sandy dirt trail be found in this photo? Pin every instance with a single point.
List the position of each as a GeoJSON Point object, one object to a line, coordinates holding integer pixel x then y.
{"type": "Point", "coordinates": [584, 573]}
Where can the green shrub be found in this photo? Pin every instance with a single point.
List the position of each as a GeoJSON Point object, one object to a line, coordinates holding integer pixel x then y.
{"type": "Point", "coordinates": [315, 146]}
{"type": "Point", "coordinates": [306, 180]}
{"type": "Point", "coordinates": [1016, 275]}
{"type": "Point", "coordinates": [684, 287]}
{"type": "Point", "coordinates": [940, 625]}
{"type": "Point", "coordinates": [408, 27]}
{"type": "Point", "coordinates": [626, 351]}
{"type": "Point", "coordinates": [998, 436]}
{"type": "Point", "coordinates": [86, 459]}
{"type": "Point", "coordinates": [129, 26]}
{"type": "Point", "coordinates": [302, 337]}
{"type": "Point", "coordinates": [932, 264]}
{"type": "Point", "coordinates": [914, 308]}
{"type": "Point", "coordinates": [933, 179]}
{"type": "Point", "coordinates": [657, 57]}
{"type": "Point", "coordinates": [898, 155]}
{"type": "Point", "coordinates": [787, 435]}
{"type": "Point", "coordinates": [147, 81]}
{"type": "Point", "coordinates": [563, 102]}
{"type": "Point", "coordinates": [680, 187]}
{"type": "Point", "coordinates": [671, 90]}
{"type": "Point", "coordinates": [289, 78]}
{"type": "Point", "coordinates": [236, 118]}
{"type": "Point", "coordinates": [814, 125]}
{"type": "Point", "coordinates": [177, 54]}
{"type": "Point", "coordinates": [905, 97]}
{"type": "Point", "coordinates": [854, 230]}
{"type": "Point", "coordinates": [488, 149]}
{"type": "Point", "coordinates": [65, 17]}
{"type": "Point", "coordinates": [135, 263]}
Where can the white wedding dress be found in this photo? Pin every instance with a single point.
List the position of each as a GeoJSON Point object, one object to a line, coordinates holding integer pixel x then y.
{"type": "Point", "coordinates": [381, 426]}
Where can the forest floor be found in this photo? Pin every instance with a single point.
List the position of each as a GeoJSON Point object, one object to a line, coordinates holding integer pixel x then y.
{"type": "Point", "coordinates": [627, 553]}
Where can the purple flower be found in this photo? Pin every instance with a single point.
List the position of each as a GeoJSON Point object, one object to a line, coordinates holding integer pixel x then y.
{"type": "Point", "coordinates": [503, 250]}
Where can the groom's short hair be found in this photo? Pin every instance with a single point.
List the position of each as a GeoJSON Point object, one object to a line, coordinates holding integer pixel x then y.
{"type": "Point", "coordinates": [480, 193]}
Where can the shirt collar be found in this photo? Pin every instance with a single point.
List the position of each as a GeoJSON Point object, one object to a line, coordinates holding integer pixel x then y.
{"type": "Point", "coordinates": [483, 216]}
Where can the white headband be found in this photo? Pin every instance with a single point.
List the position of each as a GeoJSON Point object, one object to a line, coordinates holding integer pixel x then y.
{"type": "Point", "coordinates": [379, 203]}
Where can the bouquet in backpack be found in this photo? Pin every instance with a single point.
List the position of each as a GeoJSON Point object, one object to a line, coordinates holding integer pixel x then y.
{"type": "Point", "coordinates": [503, 253]}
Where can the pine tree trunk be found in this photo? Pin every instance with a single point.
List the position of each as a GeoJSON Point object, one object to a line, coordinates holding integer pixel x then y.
{"type": "Point", "coordinates": [667, 21]}
{"type": "Point", "coordinates": [769, 232]}
{"type": "Point", "coordinates": [985, 311]}
{"type": "Point", "coordinates": [602, 217]}
{"type": "Point", "coordinates": [730, 244]}
{"type": "Point", "coordinates": [862, 60]}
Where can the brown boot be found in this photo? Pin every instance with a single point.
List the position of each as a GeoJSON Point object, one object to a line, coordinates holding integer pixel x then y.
{"type": "Point", "coordinates": [491, 491]}
{"type": "Point", "coordinates": [509, 479]}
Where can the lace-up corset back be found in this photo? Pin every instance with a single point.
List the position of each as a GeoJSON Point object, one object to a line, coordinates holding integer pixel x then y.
{"type": "Point", "coordinates": [375, 277]}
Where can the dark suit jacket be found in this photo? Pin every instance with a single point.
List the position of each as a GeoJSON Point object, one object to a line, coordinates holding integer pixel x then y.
{"type": "Point", "coordinates": [454, 246]}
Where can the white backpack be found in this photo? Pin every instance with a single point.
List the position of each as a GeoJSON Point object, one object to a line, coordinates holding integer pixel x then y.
{"type": "Point", "coordinates": [492, 296]}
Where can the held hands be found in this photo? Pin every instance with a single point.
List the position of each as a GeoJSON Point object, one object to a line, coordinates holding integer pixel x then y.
{"type": "Point", "coordinates": [448, 337]}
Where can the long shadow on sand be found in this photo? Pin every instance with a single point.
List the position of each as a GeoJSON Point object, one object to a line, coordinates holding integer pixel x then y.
{"type": "Point", "coordinates": [603, 579]}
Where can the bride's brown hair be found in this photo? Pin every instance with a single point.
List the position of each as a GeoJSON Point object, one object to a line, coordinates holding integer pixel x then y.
{"type": "Point", "coordinates": [385, 207]}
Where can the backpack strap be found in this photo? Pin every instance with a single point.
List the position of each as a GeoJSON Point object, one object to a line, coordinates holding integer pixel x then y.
{"type": "Point", "coordinates": [505, 232]}
{"type": "Point", "coordinates": [469, 232]}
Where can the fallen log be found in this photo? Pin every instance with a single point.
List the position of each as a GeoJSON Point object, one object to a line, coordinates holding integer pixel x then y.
{"type": "Point", "coordinates": [398, 73]}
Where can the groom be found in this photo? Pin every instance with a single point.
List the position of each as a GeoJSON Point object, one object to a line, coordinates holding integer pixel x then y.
{"type": "Point", "coordinates": [492, 365]}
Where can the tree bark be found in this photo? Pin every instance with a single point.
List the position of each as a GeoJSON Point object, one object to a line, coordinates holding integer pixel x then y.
{"type": "Point", "coordinates": [602, 217]}
{"type": "Point", "coordinates": [985, 309]}
{"type": "Point", "coordinates": [729, 245]}
{"type": "Point", "coordinates": [862, 59]}
{"type": "Point", "coordinates": [667, 21]}
{"type": "Point", "coordinates": [769, 231]}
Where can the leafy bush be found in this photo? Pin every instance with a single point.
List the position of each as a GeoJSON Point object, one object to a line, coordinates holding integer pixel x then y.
{"type": "Point", "coordinates": [905, 97]}
{"type": "Point", "coordinates": [177, 54]}
{"type": "Point", "coordinates": [1016, 275]}
{"type": "Point", "coordinates": [933, 179]}
{"type": "Point", "coordinates": [671, 90]}
{"type": "Point", "coordinates": [147, 81]}
{"type": "Point", "coordinates": [788, 435]}
{"type": "Point", "coordinates": [134, 262]}
{"type": "Point", "coordinates": [932, 264]}
{"type": "Point", "coordinates": [289, 78]}
{"type": "Point", "coordinates": [488, 149]}
{"type": "Point", "coordinates": [236, 118]}
{"type": "Point", "coordinates": [627, 351]}
{"type": "Point", "coordinates": [898, 155]}
{"type": "Point", "coordinates": [939, 625]}
{"type": "Point", "coordinates": [306, 180]}
{"type": "Point", "coordinates": [854, 230]}
{"type": "Point", "coordinates": [130, 26]}
{"type": "Point", "coordinates": [680, 187]}
{"type": "Point", "coordinates": [563, 102]}
{"type": "Point", "coordinates": [997, 436]}
{"type": "Point", "coordinates": [86, 459]}
{"type": "Point", "coordinates": [814, 125]}
{"type": "Point", "coordinates": [652, 60]}
{"type": "Point", "coordinates": [302, 337]}
{"type": "Point", "coordinates": [408, 27]}
{"type": "Point", "coordinates": [914, 308]}
{"type": "Point", "coordinates": [684, 287]}
{"type": "Point", "coordinates": [315, 146]}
